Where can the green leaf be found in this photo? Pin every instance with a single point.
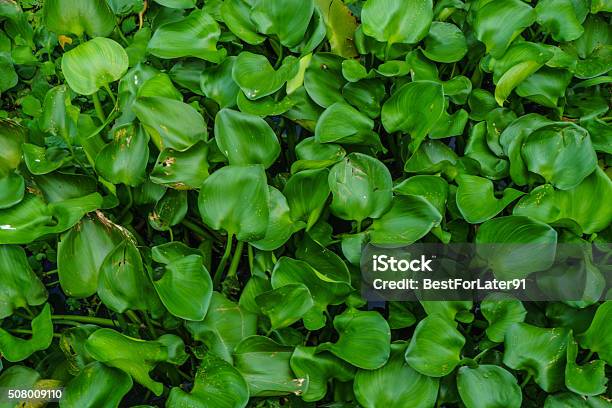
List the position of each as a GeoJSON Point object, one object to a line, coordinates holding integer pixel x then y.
{"type": "Point", "coordinates": [80, 253]}
{"type": "Point", "coordinates": [319, 368]}
{"type": "Point", "coordinates": [123, 284]}
{"type": "Point", "coordinates": [510, 260]}
{"type": "Point", "coordinates": [435, 347]}
{"type": "Point", "coordinates": [501, 311]}
{"type": "Point", "coordinates": [236, 15]}
{"type": "Point", "coordinates": [545, 87]}
{"type": "Point", "coordinates": [264, 364]}
{"type": "Point", "coordinates": [361, 188]}
{"type": "Point", "coordinates": [245, 139]}
{"type": "Point", "coordinates": [323, 79]}
{"type": "Point", "coordinates": [124, 160]}
{"type": "Point", "coordinates": [584, 379]}
{"type": "Point", "coordinates": [410, 218]}
{"type": "Point", "coordinates": [20, 287]}
{"type": "Point", "coordinates": [488, 386]}
{"type": "Point", "coordinates": [288, 20]}
{"type": "Point", "coordinates": [182, 170]}
{"type": "Point", "coordinates": [512, 139]}
{"type": "Point", "coordinates": [76, 17]}
{"type": "Point", "coordinates": [546, 204]}
{"type": "Point", "coordinates": [180, 126]}
{"type": "Point", "coordinates": [414, 109]}
{"type": "Point", "coordinates": [280, 225]}
{"type": "Point", "coordinates": [445, 43]}
{"type": "Point", "coordinates": [306, 193]}
{"type": "Point", "coordinates": [497, 23]}
{"type": "Point", "coordinates": [326, 289]}
{"type": "Point", "coordinates": [256, 77]}
{"type": "Point", "coordinates": [177, 4]}
{"type": "Point", "coordinates": [94, 64]}
{"type": "Point", "coordinates": [217, 385]}
{"type": "Point", "coordinates": [561, 153]}
{"type": "Point", "coordinates": [476, 199]}
{"type": "Point", "coordinates": [313, 155]}
{"type": "Point", "coordinates": [541, 352]}
{"type": "Point", "coordinates": [97, 385]}
{"type": "Point", "coordinates": [285, 305]}
{"type": "Point", "coordinates": [433, 188]}
{"type": "Point", "coordinates": [394, 21]}
{"type": "Point", "coordinates": [217, 82]}
{"type": "Point", "coordinates": [136, 357]}
{"type": "Point", "coordinates": [598, 337]}
{"type": "Point", "coordinates": [341, 123]}
{"type": "Point", "coordinates": [364, 339]}
{"type": "Point", "coordinates": [184, 285]}
{"type": "Point", "coordinates": [9, 76]}
{"type": "Point", "coordinates": [395, 385]}
{"type": "Point", "coordinates": [16, 349]}
{"type": "Point", "coordinates": [340, 25]}
{"type": "Point", "coordinates": [224, 326]}
{"type": "Point", "coordinates": [559, 18]}
{"type": "Point", "coordinates": [32, 218]}
{"type": "Point", "coordinates": [512, 78]}
{"type": "Point", "coordinates": [17, 377]}
{"type": "Point", "coordinates": [12, 189]}
{"type": "Point", "coordinates": [12, 137]}
{"type": "Point", "coordinates": [570, 400]}
{"type": "Point", "coordinates": [235, 199]}
{"type": "Point", "coordinates": [194, 36]}
{"type": "Point", "coordinates": [43, 161]}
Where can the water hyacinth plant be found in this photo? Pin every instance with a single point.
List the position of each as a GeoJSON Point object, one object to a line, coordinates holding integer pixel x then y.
{"type": "Point", "coordinates": [186, 188]}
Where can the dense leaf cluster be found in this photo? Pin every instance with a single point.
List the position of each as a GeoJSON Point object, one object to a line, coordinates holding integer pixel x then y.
{"type": "Point", "coordinates": [186, 187]}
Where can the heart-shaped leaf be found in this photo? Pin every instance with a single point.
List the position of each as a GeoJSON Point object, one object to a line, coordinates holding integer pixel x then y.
{"type": "Point", "coordinates": [584, 379]}
{"type": "Point", "coordinates": [15, 349]}
{"type": "Point", "coordinates": [395, 385]}
{"type": "Point", "coordinates": [364, 339]}
{"type": "Point", "coordinates": [549, 150]}
{"type": "Point", "coordinates": [182, 170]}
{"type": "Point", "coordinates": [488, 386]}
{"type": "Point", "coordinates": [516, 261]}
{"type": "Point", "coordinates": [217, 385]}
{"type": "Point", "coordinates": [76, 17]}
{"type": "Point", "coordinates": [501, 311]}
{"type": "Point", "coordinates": [264, 364]}
{"type": "Point", "coordinates": [319, 368]}
{"type": "Point", "coordinates": [194, 36]}
{"type": "Point", "coordinates": [97, 385]}
{"type": "Point", "coordinates": [81, 252]}
{"type": "Point", "coordinates": [135, 356]}
{"type": "Point", "coordinates": [245, 139]}
{"type": "Point", "coordinates": [94, 64]}
{"type": "Point", "coordinates": [361, 188]}
{"type": "Point", "coordinates": [476, 199]}
{"type": "Point", "coordinates": [224, 326]}
{"type": "Point", "coordinates": [235, 199]}
{"type": "Point", "coordinates": [435, 347]}
{"type": "Point", "coordinates": [414, 109]}
{"type": "Point", "coordinates": [288, 20]}
{"type": "Point", "coordinates": [185, 286]}
{"type": "Point", "coordinates": [124, 160]}
{"type": "Point", "coordinates": [598, 338]}
{"type": "Point", "coordinates": [444, 43]}
{"type": "Point", "coordinates": [541, 352]}
{"type": "Point", "coordinates": [394, 21]}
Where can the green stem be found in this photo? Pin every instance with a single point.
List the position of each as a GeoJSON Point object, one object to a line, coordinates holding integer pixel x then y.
{"type": "Point", "coordinates": [251, 258]}
{"type": "Point", "coordinates": [51, 272]}
{"type": "Point", "coordinates": [149, 324]}
{"type": "Point", "coordinates": [358, 226]}
{"type": "Point", "coordinates": [86, 319]}
{"type": "Point", "coordinates": [110, 93]}
{"type": "Point", "coordinates": [98, 107]}
{"type": "Point", "coordinates": [223, 261]}
{"type": "Point", "coordinates": [133, 317]}
{"type": "Point", "coordinates": [196, 229]}
{"type": "Point", "coordinates": [588, 357]}
{"type": "Point", "coordinates": [25, 331]}
{"type": "Point", "coordinates": [526, 380]}
{"type": "Point", "coordinates": [235, 259]}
